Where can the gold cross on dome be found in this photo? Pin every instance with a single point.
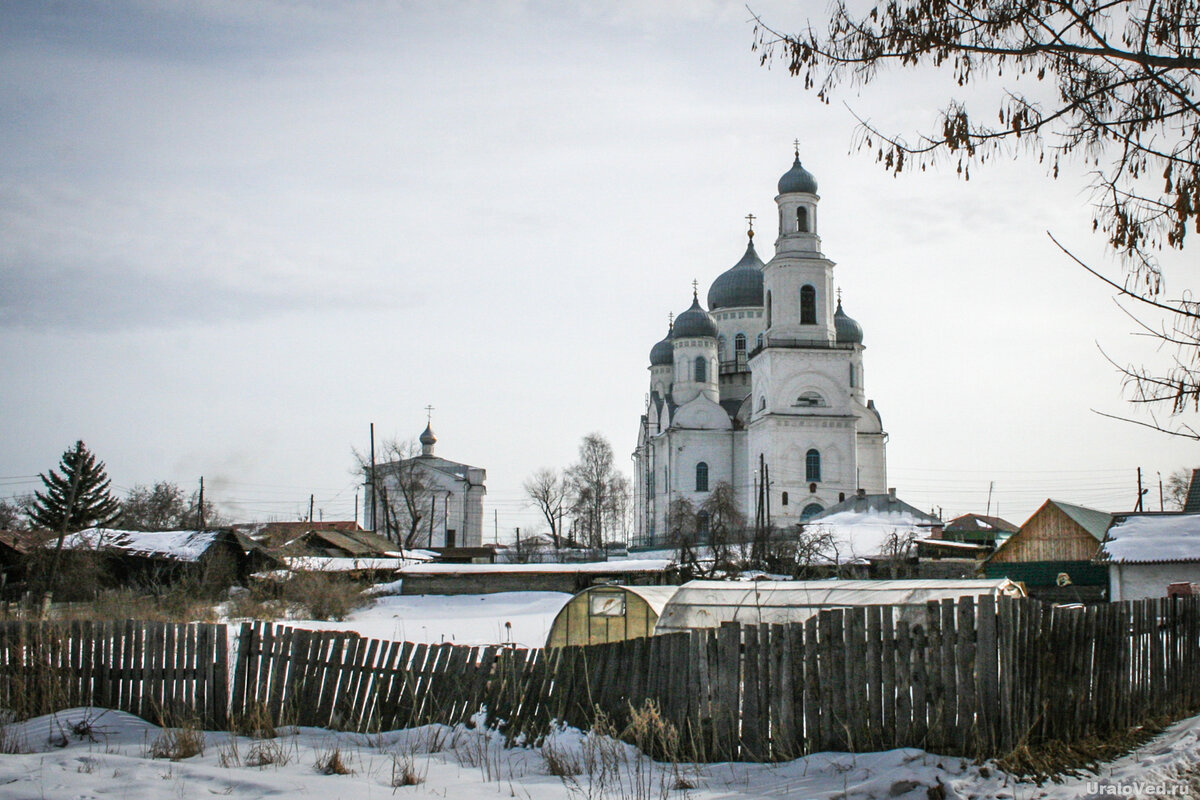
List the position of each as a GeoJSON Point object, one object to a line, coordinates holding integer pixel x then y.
{"type": "Point", "coordinates": [428, 415]}
{"type": "Point", "coordinates": [750, 218]}
{"type": "Point", "coordinates": [695, 288]}
{"type": "Point", "coordinates": [796, 144]}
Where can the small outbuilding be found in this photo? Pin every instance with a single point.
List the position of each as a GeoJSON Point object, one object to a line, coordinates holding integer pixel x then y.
{"type": "Point", "coordinates": [1053, 554]}
{"type": "Point", "coordinates": [1146, 553]}
{"type": "Point", "coordinates": [707, 604]}
{"type": "Point", "coordinates": [603, 614]}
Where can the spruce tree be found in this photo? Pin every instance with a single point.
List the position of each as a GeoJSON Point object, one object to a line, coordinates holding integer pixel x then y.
{"type": "Point", "coordinates": [78, 498]}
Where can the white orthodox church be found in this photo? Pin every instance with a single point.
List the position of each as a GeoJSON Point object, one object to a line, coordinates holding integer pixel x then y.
{"type": "Point", "coordinates": [763, 389]}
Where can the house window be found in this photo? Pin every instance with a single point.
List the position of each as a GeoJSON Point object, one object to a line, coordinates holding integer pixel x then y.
{"type": "Point", "coordinates": [701, 369]}
{"type": "Point", "coordinates": [702, 477]}
{"type": "Point", "coordinates": [802, 219]}
{"type": "Point", "coordinates": [812, 465]}
{"type": "Point", "coordinates": [808, 305]}
{"type": "Point", "coordinates": [810, 511]}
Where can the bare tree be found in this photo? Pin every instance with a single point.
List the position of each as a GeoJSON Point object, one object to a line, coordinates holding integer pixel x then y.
{"type": "Point", "coordinates": [1176, 488]}
{"type": "Point", "coordinates": [896, 549]}
{"type": "Point", "coordinates": [402, 490]}
{"type": "Point", "coordinates": [1126, 81]}
{"type": "Point", "coordinates": [682, 533]}
{"type": "Point", "coordinates": [726, 524]}
{"type": "Point", "coordinates": [549, 490]}
{"type": "Point", "coordinates": [600, 494]}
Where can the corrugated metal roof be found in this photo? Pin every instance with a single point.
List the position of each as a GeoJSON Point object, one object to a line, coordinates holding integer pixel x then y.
{"type": "Point", "coordinates": [1152, 539]}
{"type": "Point", "coordinates": [1094, 522]}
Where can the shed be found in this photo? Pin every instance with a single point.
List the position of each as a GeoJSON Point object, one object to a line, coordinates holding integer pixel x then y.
{"type": "Point", "coordinates": [1146, 553]}
{"type": "Point", "coordinates": [1059, 539]}
{"type": "Point", "coordinates": [602, 614]}
{"type": "Point", "coordinates": [707, 604]}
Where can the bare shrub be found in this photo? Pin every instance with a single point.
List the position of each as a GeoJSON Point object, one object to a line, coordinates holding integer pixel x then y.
{"type": "Point", "coordinates": [323, 597]}
{"type": "Point", "coordinates": [267, 752]}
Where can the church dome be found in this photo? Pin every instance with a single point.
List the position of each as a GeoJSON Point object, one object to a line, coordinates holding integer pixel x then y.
{"type": "Point", "coordinates": [694, 322]}
{"type": "Point", "coordinates": [797, 179]}
{"type": "Point", "coordinates": [427, 438]}
{"type": "Point", "coordinates": [662, 353]}
{"type": "Point", "coordinates": [848, 331]}
{"type": "Point", "coordinates": [741, 284]}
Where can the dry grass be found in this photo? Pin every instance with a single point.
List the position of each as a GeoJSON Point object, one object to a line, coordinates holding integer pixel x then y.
{"type": "Point", "coordinates": [404, 771]}
{"type": "Point", "coordinates": [1051, 760]}
{"type": "Point", "coordinates": [268, 752]}
{"type": "Point", "coordinates": [331, 762]}
{"type": "Point", "coordinates": [177, 744]}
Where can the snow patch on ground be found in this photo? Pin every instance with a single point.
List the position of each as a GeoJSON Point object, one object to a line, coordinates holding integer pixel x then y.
{"type": "Point", "coordinates": [91, 753]}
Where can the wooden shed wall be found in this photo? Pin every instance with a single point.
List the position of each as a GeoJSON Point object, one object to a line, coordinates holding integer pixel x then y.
{"type": "Point", "coordinates": [1049, 535]}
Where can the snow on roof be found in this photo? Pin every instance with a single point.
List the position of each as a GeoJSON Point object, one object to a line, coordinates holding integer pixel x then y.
{"type": "Point", "coordinates": [706, 604]}
{"type": "Point", "coordinates": [333, 564]}
{"type": "Point", "coordinates": [171, 545]}
{"type": "Point", "coordinates": [862, 534]}
{"type": "Point", "coordinates": [628, 565]}
{"type": "Point", "coordinates": [1151, 539]}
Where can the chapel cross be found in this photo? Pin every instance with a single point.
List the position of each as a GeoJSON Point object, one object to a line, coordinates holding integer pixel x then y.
{"type": "Point", "coordinates": [750, 218]}
{"type": "Point", "coordinates": [796, 144]}
{"type": "Point", "coordinates": [428, 415]}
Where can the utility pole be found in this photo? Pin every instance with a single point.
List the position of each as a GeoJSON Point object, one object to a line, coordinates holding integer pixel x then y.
{"type": "Point", "coordinates": [200, 505]}
{"type": "Point", "coordinates": [1141, 492]}
{"type": "Point", "coordinates": [374, 490]}
{"type": "Point", "coordinates": [991, 485]}
{"type": "Point", "coordinates": [496, 525]}
{"type": "Point", "coordinates": [356, 506]}
{"type": "Point", "coordinates": [310, 509]}
{"type": "Point", "coordinates": [1161, 504]}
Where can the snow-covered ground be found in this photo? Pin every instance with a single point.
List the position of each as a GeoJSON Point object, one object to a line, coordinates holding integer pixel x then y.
{"type": "Point", "coordinates": [523, 618]}
{"type": "Point", "coordinates": [87, 753]}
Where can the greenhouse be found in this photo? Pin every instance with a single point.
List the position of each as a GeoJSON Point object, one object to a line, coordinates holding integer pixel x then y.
{"type": "Point", "coordinates": [707, 604]}
{"type": "Point", "coordinates": [604, 614]}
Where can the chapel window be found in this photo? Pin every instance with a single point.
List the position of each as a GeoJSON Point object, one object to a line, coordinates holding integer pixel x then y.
{"type": "Point", "coordinates": [702, 477]}
{"type": "Point", "coordinates": [812, 465]}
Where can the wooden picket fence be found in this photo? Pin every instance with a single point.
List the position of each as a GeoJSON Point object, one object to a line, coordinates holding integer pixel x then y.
{"type": "Point", "coordinates": [164, 672]}
{"type": "Point", "coordinates": [972, 678]}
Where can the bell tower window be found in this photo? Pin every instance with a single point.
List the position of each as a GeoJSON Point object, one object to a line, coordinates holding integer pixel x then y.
{"type": "Point", "coordinates": [768, 309]}
{"type": "Point", "coordinates": [808, 305]}
{"type": "Point", "coordinates": [802, 220]}
{"type": "Point", "coordinates": [701, 370]}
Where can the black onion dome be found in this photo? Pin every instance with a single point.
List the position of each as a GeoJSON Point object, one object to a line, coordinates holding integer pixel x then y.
{"type": "Point", "coordinates": [663, 353]}
{"type": "Point", "coordinates": [797, 179]}
{"type": "Point", "coordinates": [740, 285]}
{"type": "Point", "coordinates": [694, 322]}
{"type": "Point", "coordinates": [848, 331]}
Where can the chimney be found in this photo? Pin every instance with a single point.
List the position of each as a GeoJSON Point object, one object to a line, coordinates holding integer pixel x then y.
{"type": "Point", "coordinates": [862, 492]}
{"type": "Point", "coordinates": [891, 494]}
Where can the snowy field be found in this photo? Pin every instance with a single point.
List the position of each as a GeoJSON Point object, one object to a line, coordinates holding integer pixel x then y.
{"type": "Point", "coordinates": [523, 618]}
{"type": "Point", "coordinates": [85, 753]}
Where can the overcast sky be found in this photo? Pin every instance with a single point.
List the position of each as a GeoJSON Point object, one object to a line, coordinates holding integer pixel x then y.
{"type": "Point", "coordinates": [232, 235]}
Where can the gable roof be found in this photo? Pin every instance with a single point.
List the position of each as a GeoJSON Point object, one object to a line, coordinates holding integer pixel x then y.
{"type": "Point", "coordinates": [1192, 501]}
{"type": "Point", "coordinates": [186, 546]}
{"type": "Point", "coordinates": [1094, 522]}
{"type": "Point", "coordinates": [1152, 539]}
{"type": "Point", "coordinates": [979, 522]}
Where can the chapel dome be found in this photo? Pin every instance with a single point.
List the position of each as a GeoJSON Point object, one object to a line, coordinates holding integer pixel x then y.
{"type": "Point", "coordinates": [694, 322]}
{"type": "Point", "coordinates": [797, 179]}
{"type": "Point", "coordinates": [848, 331]}
{"type": "Point", "coordinates": [741, 284]}
{"type": "Point", "coordinates": [662, 354]}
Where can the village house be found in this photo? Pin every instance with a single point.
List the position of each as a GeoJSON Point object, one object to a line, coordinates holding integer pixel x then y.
{"type": "Point", "coordinates": [1147, 554]}
{"type": "Point", "coordinates": [1053, 554]}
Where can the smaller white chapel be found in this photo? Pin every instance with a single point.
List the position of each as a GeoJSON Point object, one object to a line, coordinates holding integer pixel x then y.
{"type": "Point", "coordinates": [449, 495]}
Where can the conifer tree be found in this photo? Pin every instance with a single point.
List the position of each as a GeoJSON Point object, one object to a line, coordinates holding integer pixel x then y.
{"type": "Point", "coordinates": [78, 498]}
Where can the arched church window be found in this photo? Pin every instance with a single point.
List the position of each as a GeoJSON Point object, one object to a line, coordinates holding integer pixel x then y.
{"type": "Point", "coordinates": [810, 400]}
{"type": "Point", "coordinates": [701, 369]}
{"type": "Point", "coordinates": [785, 498]}
{"type": "Point", "coordinates": [812, 465]}
{"type": "Point", "coordinates": [762, 403]}
{"type": "Point", "coordinates": [758, 342]}
{"type": "Point", "coordinates": [768, 309]}
{"type": "Point", "coordinates": [802, 219]}
{"type": "Point", "coordinates": [808, 305]}
{"type": "Point", "coordinates": [721, 344]}
{"type": "Point", "coordinates": [810, 511]}
{"type": "Point", "coordinates": [851, 376]}
{"type": "Point", "coordinates": [702, 522]}
{"type": "Point", "coordinates": [702, 477]}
